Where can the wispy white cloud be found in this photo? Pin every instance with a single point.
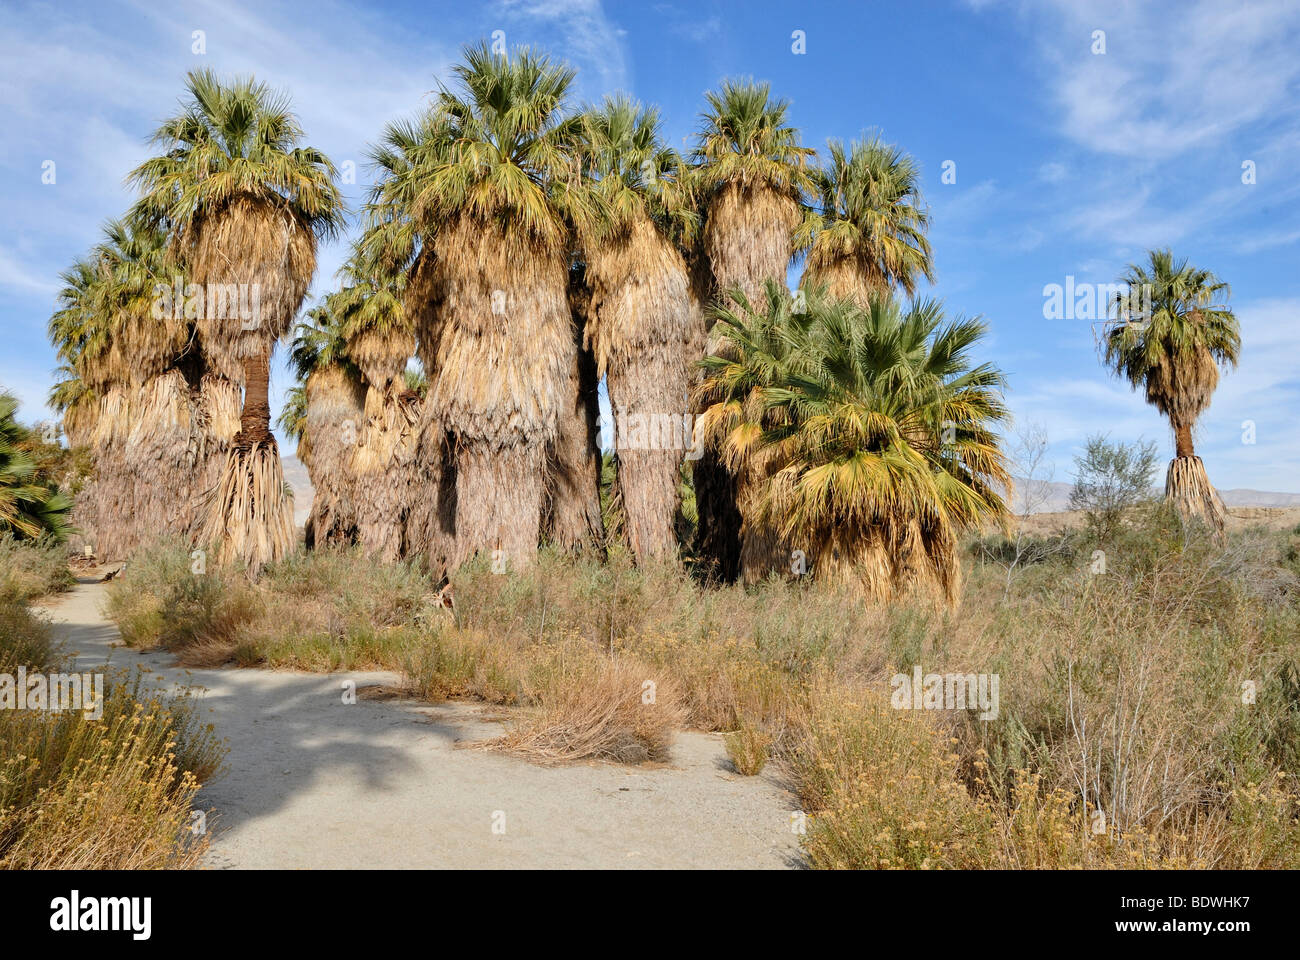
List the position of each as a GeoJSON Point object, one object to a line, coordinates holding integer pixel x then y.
{"type": "Point", "coordinates": [591, 41]}
{"type": "Point", "coordinates": [1216, 69]}
{"type": "Point", "coordinates": [1053, 172]}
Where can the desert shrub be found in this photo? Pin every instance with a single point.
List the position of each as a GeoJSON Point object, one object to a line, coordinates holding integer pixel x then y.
{"type": "Point", "coordinates": [115, 792]}
{"type": "Point", "coordinates": [1110, 480]}
{"type": "Point", "coordinates": [32, 568]}
{"type": "Point", "coordinates": [25, 640]}
{"type": "Point", "coordinates": [162, 602]}
{"type": "Point", "coordinates": [322, 610]}
{"type": "Point", "coordinates": [880, 787]}
{"type": "Point", "coordinates": [998, 548]}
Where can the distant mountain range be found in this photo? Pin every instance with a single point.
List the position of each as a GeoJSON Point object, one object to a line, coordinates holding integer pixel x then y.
{"type": "Point", "coordinates": [1055, 496]}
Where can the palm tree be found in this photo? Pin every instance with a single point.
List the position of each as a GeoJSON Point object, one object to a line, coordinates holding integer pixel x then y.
{"type": "Point", "coordinates": [126, 392]}
{"type": "Point", "coordinates": [866, 232]}
{"type": "Point", "coordinates": [244, 206]}
{"type": "Point", "coordinates": [643, 313]}
{"type": "Point", "coordinates": [1171, 333]}
{"type": "Point", "coordinates": [380, 339]}
{"type": "Point", "coordinates": [753, 177]}
{"type": "Point", "coordinates": [329, 422]}
{"type": "Point", "coordinates": [487, 188]}
{"type": "Point", "coordinates": [871, 431]}
{"type": "Point", "coordinates": [75, 402]}
{"type": "Point", "coordinates": [29, 507]}
{"type": "Point", "coordinates": [399, 463]}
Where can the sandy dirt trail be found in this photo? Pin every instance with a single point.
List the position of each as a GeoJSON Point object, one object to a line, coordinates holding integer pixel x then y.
{"type": "Point", "coordinates": [312, 782]}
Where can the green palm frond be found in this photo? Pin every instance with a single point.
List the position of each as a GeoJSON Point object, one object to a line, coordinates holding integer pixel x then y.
{"type": "Point", "coordinates": [232, 140]}
{"type": "Point", "coordinates": [868, 216]}
{"type": "Point", "coordinates": [745, 138]}
{"type": "Point", "coordinates": [632, 174]}
{"type": "Point", "coordinates": [30, 506]}
{"type": "Point", "coordinates": [1171, 332]}
{"type": "Point", "coordinates": [862, 422]}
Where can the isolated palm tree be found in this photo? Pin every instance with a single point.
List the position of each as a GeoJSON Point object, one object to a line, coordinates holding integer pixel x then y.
{"type": "Point", "coordinates": [329, 424]}
{"type": "Point", "coordinates": [488, 188]}
{"type": "Point", "coordinates": [244, 206]}
{"type": "Point", "coordinates": [643, 314]}
{"type": "Point", "coordinates": [869, 430]}
{"type": "Point", "coordinates": [30, 508]}
{"type": "Point", "coordinates": [866, 232]}
{"type": "Point", "coordinates": [1172, 331]}
{"type": "Point", "coordinates": [753, 177]}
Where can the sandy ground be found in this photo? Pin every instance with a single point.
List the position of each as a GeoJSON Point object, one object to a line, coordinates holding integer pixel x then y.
{"type": "Point", "coordinates": [313, 782]}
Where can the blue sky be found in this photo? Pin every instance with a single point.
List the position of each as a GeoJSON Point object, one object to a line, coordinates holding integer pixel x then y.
{"type": "Point", "coordinates": [1068, 162]}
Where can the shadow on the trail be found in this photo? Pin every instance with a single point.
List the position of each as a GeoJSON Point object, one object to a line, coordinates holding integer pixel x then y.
{"type": "Point", "coordinates": [286, 731]}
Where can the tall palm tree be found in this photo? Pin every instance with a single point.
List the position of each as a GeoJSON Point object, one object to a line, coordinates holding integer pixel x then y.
{"type": "Point", "coordinates": [870, 430]}
{"type": "Point", "coordinates": [131, 358]}
{"type": "Point", "coordinates": [866, 233]}
{"type": "Point", "coordinates": [244, 205]}
{"type": "Point", "coordinates": [753, 177]}
{"type": "Point", "coordinates": [399, 464]}
{"type": "Point", "coordinates": [384, 464]}
{"type": "Point", "coordinates": [1172, 331]}
{"type": "Point", "coordinates": [330, 422]}
{"type": "Point", "coordinates": [487, 188]}
{"type": "Point", "coordinates": [643, 313]}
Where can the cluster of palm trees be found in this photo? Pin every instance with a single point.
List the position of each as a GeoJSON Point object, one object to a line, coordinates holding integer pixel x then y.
{"type": "Point", "coordinates": [523, 249]}
{"type": "Point", "coordinates": [232, 204]}
{"type": "Point", "coordinates": [530, 249]}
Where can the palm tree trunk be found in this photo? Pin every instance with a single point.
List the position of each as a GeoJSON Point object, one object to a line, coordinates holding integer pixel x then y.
{"type": "Point", "coordinates": [572, 520]}
{"type": "Point", "coordinates": [1188, 488]}
{"type": "Point", "coordinates": [255, 419]}
{"type": "Point", "coordinates": [249, 517]}
{"type": "Point", "coordinates": [1187, 485]}
{"type": "Point", "coordinates": [498, 505]}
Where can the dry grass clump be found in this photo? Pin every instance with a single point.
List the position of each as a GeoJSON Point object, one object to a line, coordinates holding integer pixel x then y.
{"type": "Point", "coordinates": [324, 610]}
{"type": "Point", "coordinates": [617, 711]}
{"type": "Point", "coordinates": [109, 794]}
{"type": "Point", "coordinates": [748, 748]}
{"type": "Point", "coordinates": [31, 569]}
